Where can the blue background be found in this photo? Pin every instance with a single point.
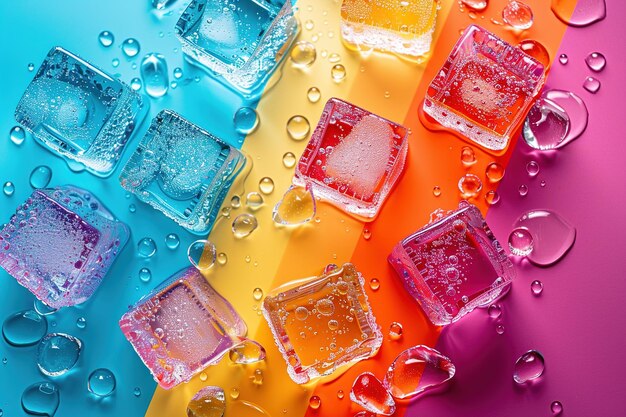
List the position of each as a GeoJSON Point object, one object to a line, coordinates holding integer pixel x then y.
{"type": "Point", "coordinates": [29, 28]}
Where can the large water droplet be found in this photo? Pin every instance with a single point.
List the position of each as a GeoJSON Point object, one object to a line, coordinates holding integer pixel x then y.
{"type": "Point", "coordinates": [314, 94]}
{"type": "Point", "coordinates": [338, 73]}
{"type": "Point", "coordinates": [477, 5]}
{"type": "Point", "coordinates": [40, 176]}
{"type": "Point", "coordinates": [296, 207]}
{"type": "Point", "coordinates": [106, 38]}
{"type": "Point", "coordinates": [303, 54]}
{"type": "Point", "coordinates": [208, 402]}
{"type": "Point", "coordinates": [591, 84]}
{"type": "Point", "coordinates": [552, 235]}
{"type": "Point", "coordinates": [416, 370]}
{"type": "Point", "coordinates": [518, 15]}
{"type": "Point", "coordinates": [246, 120]}
{"type": "Point", "coordinates": [368, 392]}
{"type": "Point", "coordinates": [146, 247]}
{"type": "Point", "coordinates": [556, 407]}
{"type": "Point", "coordinates": [576, 111]}
{"type": "Point", "coordinates": [521, 242]}
{"type": "Point", "coordinates": [585, 13]}
{"type": "Point", "coordinates": [58, 353]}
{"type": "Point", "coordinates": [528, 367]}
{"type": "Point", "coordinates": [17, 135]}
{"type": "Point", "coordinates": [154, 74]}
{"type": "Point", "coordinates": [247, 352]}
{"type": "Point", "coordinates": [41, 399]}
{"type": "Point", "coordinates": [101, 382]}
{"type": "Point", "coordinates": [24, 328]}
{"type": "Point", "coordinates": [172, 241]}
{"type": "Point", "coordinates": [470, 185]}
{"type": "Point", "coordinates": [244, 224]}
{"type": "Point", "coordinates": [202, 254]}
{"type": "Point", "coordinates": [131, 47]}
{"type": "Point", "coordinates": [494, 172]}
{"type": "Point", "coordinates": [8, 188]}
{"type": "Point", "coordinates": [546, 125]}
{"type": "Point", "coordinates": [298, 127]}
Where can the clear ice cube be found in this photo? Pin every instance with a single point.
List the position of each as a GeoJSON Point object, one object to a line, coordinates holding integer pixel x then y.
{"type": "Point", "coordinates": [353, 159]}
{"type": "Point", "coordinates": [182, 327]}
{"type": "Point", "coordinates": [60, 244]}
{"type": "Point", "coordinates": [240, 42]}
{"type": "Point", "coordinates": [79, 112]}
{"type": "Point", "coordinates": [453, 265]}
{"type": "Point", "coordinates": [183, 171]}
{"type": "Point", "coordinates": [322, 323]}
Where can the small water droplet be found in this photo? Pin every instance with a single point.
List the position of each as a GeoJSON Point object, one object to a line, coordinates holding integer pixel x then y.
{"type": "Point", "coordinates": [137, 392]}
{"type": "Point", "coordinates": [58, 353]}
{"type": "Point", "coordinates": [145, 275]}
{"type": "Point", "coordinates": [154, 74]}
{"type": "Point", "coordinates": [41, 399]}
{"type": "Point", "coordinates": [130, 47]}
{"type": "Point", "coordinates": [340, 394]}
{"type": "Point", "coordinates": [536, 287]}
{"type": "Point", "coordinates": [591, 84]}
{"type": "Point", "coordinates": [563, 59]}
{"type": "Point", "coordinates": [81, 322]}
{"type": "Point", "coordinates": [132, 208]}
{"type": "Point", "coordinates": [296, 207]}
{"type": "Point", "coordinates": [235, 201]}
{"type": "Point", "coordinates": [303, 54]}
{"type": "Point", "coordinates": [374, 284]}
{"type": "Point", "coordinates": [367, 233]}
{"type": "Point", "coordinates": [247, 352]}
{"type": "Point", "coordinates": [17, 135]}
{"type": "Point", "coordinates": [25, 328]}
{"type": "Point", "coordinates": [314, 94]}
{"type": "Point", "coordinates": [257, 293]}
{"type": "Point", "coordinates": [478, 5]}
{"type": "Point", "coordinates": [254, 200]}
{"type": "Point", "coordinates": [521, 242]}
{"type": "Point", "coordinates": [298, 127]}
{"type": "Point", "coordinates": [494, 311]}
{"type": "Point", "coordinates": [146, 247]}
{"type": "Point", "coordinates": [585, 13]}
{"type": "Point", "coordinates": [532, 168]}
{"type": "Point", "coordinates": [106, 38]}
{"type": "Point", "coordinates": [289, 160]}
{"type": "Point", "coordinates": [246, 120]}
{"type": "Point", "coordinates": [492, 197]}
{"type": "Point", "coordinates": [338, 73]}
{"type": "Point", "coordinates": [31, 66]}
{"type": "Point", "coordinates": [8, 188]}
{"type": "Point", "coordinates": [203, 376]}
{"type": "Point", "coordinates": [234, 393]}
{"type": "Point", "coordinates": [518, 15]}
{"type": "Point", "coordinates": [556, 408]}
{"type": "Point", "coordinates": [222, 258]}
{"type": "Point", "coordinates": [528, 367]}
{"type": "Point", "coordinates": [309, 24]}
{"type": "Point", "coordinates": [395, 331]}
{"type": "Point", "coordinates": [522, 190]}
{"type": "Point", "coordinates": [135, 84]}
{"type": "Point", "coordinates": [208, 402]}
{"type": "Point", "coordinates": [178, 73]}
{"type": "Point", "coordinates": [172, 241]}
{"type": "Point", "coordinates": [595, 61]}
{"type": "Point", "coordinates": [368, 392]}
{"type": "Point", "coordinates": [315, 402]}
{"type": "Point", "coordinates": [468, 157]}
{"type": "Point", "coordinates": [436, 191]}
{"type": "Point", "coordinates": [115, 62]}
{"type": "Point", "coordinates": [266, 185]}
{"type": "Point", "coordinates": [40, 176]}
{"type": "Point", "coordinates": [101, 382]}
{"type": "Point", "coordinates": [500, 329]}
{"type": "Point", "coordinates": [470, 185]}
{"type": "Point", "coordinates": [494, 172]}
{"type": "Point", "coordinates": [257, 377]}
{"type": "Point", "coordinates": [202, 254]}
{"type": "Point", "coordinates": [244, 224]}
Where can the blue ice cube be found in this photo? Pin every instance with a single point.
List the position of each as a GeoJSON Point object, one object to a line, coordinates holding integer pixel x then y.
{"type": "Point", "coordinates": [79, 112]}
{"type": "Point", "coordinates": [60, 243]}
{"type": "Point", "coordinates": [241, 42]}
{"type": "Point", "coordinates": [183, 171]}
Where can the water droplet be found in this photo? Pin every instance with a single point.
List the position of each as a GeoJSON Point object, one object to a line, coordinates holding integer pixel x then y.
{"type": "Point", "coordinates": [470, 185]}
{"type": "Point", "coordinates": [368, 392]}
{"type": "Point", "coordinates": [178, 73]}
{"type": "Point", "coordinates": [494, 172]}
{"type": "Point", "coordinates": [468, 157]}
{"type": "Point", "coordinates": [303, 54]}
{"type": "Point", "coordinates": [536, 50]}
{"type": "Point", "coordinates": [234, 393]}
{"type": "Point", "coordinates": [563, 59]}
{"type": "Point", "coordinates": [289, 160]}
{"type": "Point", "coordinates": [246, 120]}
{"type": "Point", "coordinates": [528, 367]}
{"type": "Point", "coordinates": [492, 197]}
{"type": "Point", "coordinates": [101, 382]}
{"type": "Point", "coordinates": [477, 5]}
{"type": "Point", "coordinates": [115, 62]}
{"type": "Point", "coordinates": [132, 208]}
{"type": "Point", "coordinates": [532, 168]}
{"type": "Point", "coordinates": [17, 135]}
{"type": "Point", "coordinates": [518, 15]}
{"type": "Point", "coordinates": [222, 258]}
{"type": "Point", "coordinates": [417, 370]}
{"type": "Point", "coordinates": [576, 111]}
{"type": "Point", "coordinates": [257, 293]}
{"type": "Point", "coordinates": [41, 399]}
{"type": "Point", "coordinates": [315, 402]}
{"type": "Point", "coordinates": [24, 328]}
{"type": "Point", "coordinates": [40, 176]}
{"type": "Point", "coordinates": [595, 61]}
{"type": "Point", "coordinates": [31, 66]}
{"type": "Point", "coordinates": [500, 329]}
{"type": "Point", "coordinates": [203, 376]}
{"type": "Point", "coordinates": [254, 200]}
{"type": "Point", "coordinates": [135, 84]}
{"type": "Point", "coordinates": [338, 72]}
{"type": "Point", "coordinates": [298, 127]}
{"type": "Point", "coordinates": [436, 191]}
{"type": "Point", "coordinates": [585, 13]}
{"type": "Point", "coordinates": [552, 235]}
{"type": "Point", "coordinates": [146, 247]}
{"type": "Point", "coordinates": [546, 125]}
{"type": "Point", "coordinates": [130, 47]}
{"type": "Point", "coordinates": [8, 188]}
{"type": "Point", "coordinates": [494, 311]}
{"type": "Point", "coordinates": [145, 275]}
{"type": "Point", "coordinates": [374, 284]}
{"type": "Point", "coordinates": [42, 309]}
{"type": "Point", "coordinates": [235, 201]}
{"type": "Point", "coordinates": [257, 377]}
{"type": "Point", "coordinates": [172, 241]}
{"type": "Point", "coordinates": [334, 58]}
{"type": "Point", "coordinates": [296, 207]}
{"type": "Point", "coordinates": [247, 352]}
{"type": "Point", "coordinates": [523, 190]}
{"type": "Point", "coordinates": [208, 402]}
{"type": "Point", "coordinates": [266, 185]}
{"type": "Point", "coordinates": [395, 331]}
{"type": "Point", "coordinates": [154, 75]}
{"type": "Point", "coordinates": [314, 94]}
{"type": "Point", "coordinates": [137, 392]}
{"type": "Point", "coordinates": [106, 38]}
{"type": "Point", "coordinates": [243, 225]}
{"type": "Point", "coordinates": [81, 322]}
{"type": "Point", "coordinates": [202, 254]}
{"type": "Point", "coordinates": [591, 84]}
{"type": "Point", "coordinates": [556, 407]}
{"type": "Point", "coordinates": [58, 353]}
{"type": "Point", "coordinates": [309, 24]}
{"type": "Point", "coordinates": [536, 287]}
{"type": "Point", "coordinates": [367, 233]}
{"type": "Point", "coordinates": [340, 394]}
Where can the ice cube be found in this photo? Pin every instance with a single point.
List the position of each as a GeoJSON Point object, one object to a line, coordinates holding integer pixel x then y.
{"type": "Point", "coordinates": [60, 244]}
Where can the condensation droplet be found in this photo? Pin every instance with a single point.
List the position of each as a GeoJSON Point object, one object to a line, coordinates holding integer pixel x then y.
{"type": "Point", "coordinates": [246, 120]}
{"type": "Point", "coordinates": [106, 38]}
{"type": "Point", "coordinates": [146, 247]}
{"type": "Point", "coordinates": [17, 135]}
{"type": "Point", "coordinates": [8, 188]}
{"type": "Point", "coordinates": [145, 274]}
{"type": "Point", "coordinates": [468, 157]}
{"type": "Point", "coordinates": [130, 47]}
{"type": "Point", "coordinates": [101, 382]}
{"type": "Point", "coordinates": [595, 61]}
{"type": "Point", "coordinates": [298, 127]}
{"type": "Point", "coordinates": [591, 84]}
{"type": "Point", "coordinates": [266, 185]}
{"type": "Point", "coordinates": [494, 172]}
{"type": "Point", "coordinates": [563, 59]}
{"type": "Point", "coordinates": [315, 402]}
{"type": "Point", "coordinates": [470, 185]}
{"type": "Point", "coordinates": [222, 258]}
{"type": "Point", "coordinates": [532, 168]}
{"type": "Point", "coordinates": [338, 72]}
{"type": "Point", "coordinates": [202, 254]}
{"type": "Point", "coordinates": [172, 241]}
{"type": "Point", "coordinates": [500, 329]}
{"type": "Point", "coordinates": [244, 225]}
{"type": "Point", "coordinates": [528, 367]}
{"type": "Point", "coordinates": [536, 287]}
{"type": "Point", "coordinates": [522, 190]}
{"type": "Point", "coordinates": [556, 408]}
{"type": "Point", "coordinates": [374, 284]}
{"type": "Point", "coordinates": [478, 5]}
{"type": "Point", "coordinates": [492, 197]}
{"type": "Point", "coordinates": [40, 177]}
{"type": "Point", "coordinates": [314, 94]}
{"type": "Point", "coordinates": [257, 294]}
{"type": "Point", "coordinates": [536, 50]}
{"type": "Point", "coordinates": [289, 159]}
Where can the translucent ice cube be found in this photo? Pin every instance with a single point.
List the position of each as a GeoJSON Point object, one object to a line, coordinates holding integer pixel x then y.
{"type": "Point", "coordinates": [183, 171]}
{"type": "Point", "coordinates": [80, 112]}
{"type": "Point", "coordinates": [60, 244]}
